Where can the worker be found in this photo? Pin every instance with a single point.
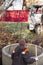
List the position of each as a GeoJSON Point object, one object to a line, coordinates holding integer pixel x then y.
{"type": "Point", "coordinates": [21, 54]}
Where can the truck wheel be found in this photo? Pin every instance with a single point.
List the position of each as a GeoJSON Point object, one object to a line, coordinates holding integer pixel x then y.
{"type": "Point", "coordinates": [38, 29]}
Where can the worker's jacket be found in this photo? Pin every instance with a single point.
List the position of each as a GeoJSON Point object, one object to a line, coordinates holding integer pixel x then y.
{"type": "Point", "coordinates": [21, 56]}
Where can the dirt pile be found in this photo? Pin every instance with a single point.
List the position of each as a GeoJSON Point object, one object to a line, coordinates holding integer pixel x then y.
{"type": "Point", "coordinates": [38, 41]}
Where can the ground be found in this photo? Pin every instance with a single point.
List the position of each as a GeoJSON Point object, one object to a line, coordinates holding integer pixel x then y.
{"type": "Point", "coordinates": [1, 2]}
{"type": "Point", "coordinates": [13, 32]}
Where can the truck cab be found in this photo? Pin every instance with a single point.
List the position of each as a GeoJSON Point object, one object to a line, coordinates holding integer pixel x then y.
{"type": "Point", "coordinates": [34, 20]}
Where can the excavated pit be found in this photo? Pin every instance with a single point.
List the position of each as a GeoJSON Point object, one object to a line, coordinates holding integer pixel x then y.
{"type": "Point", "coordinates": [7, 50]}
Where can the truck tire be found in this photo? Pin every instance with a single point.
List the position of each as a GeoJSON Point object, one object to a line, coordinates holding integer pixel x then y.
{"type": "Point", "coordinates": [38, 29]}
